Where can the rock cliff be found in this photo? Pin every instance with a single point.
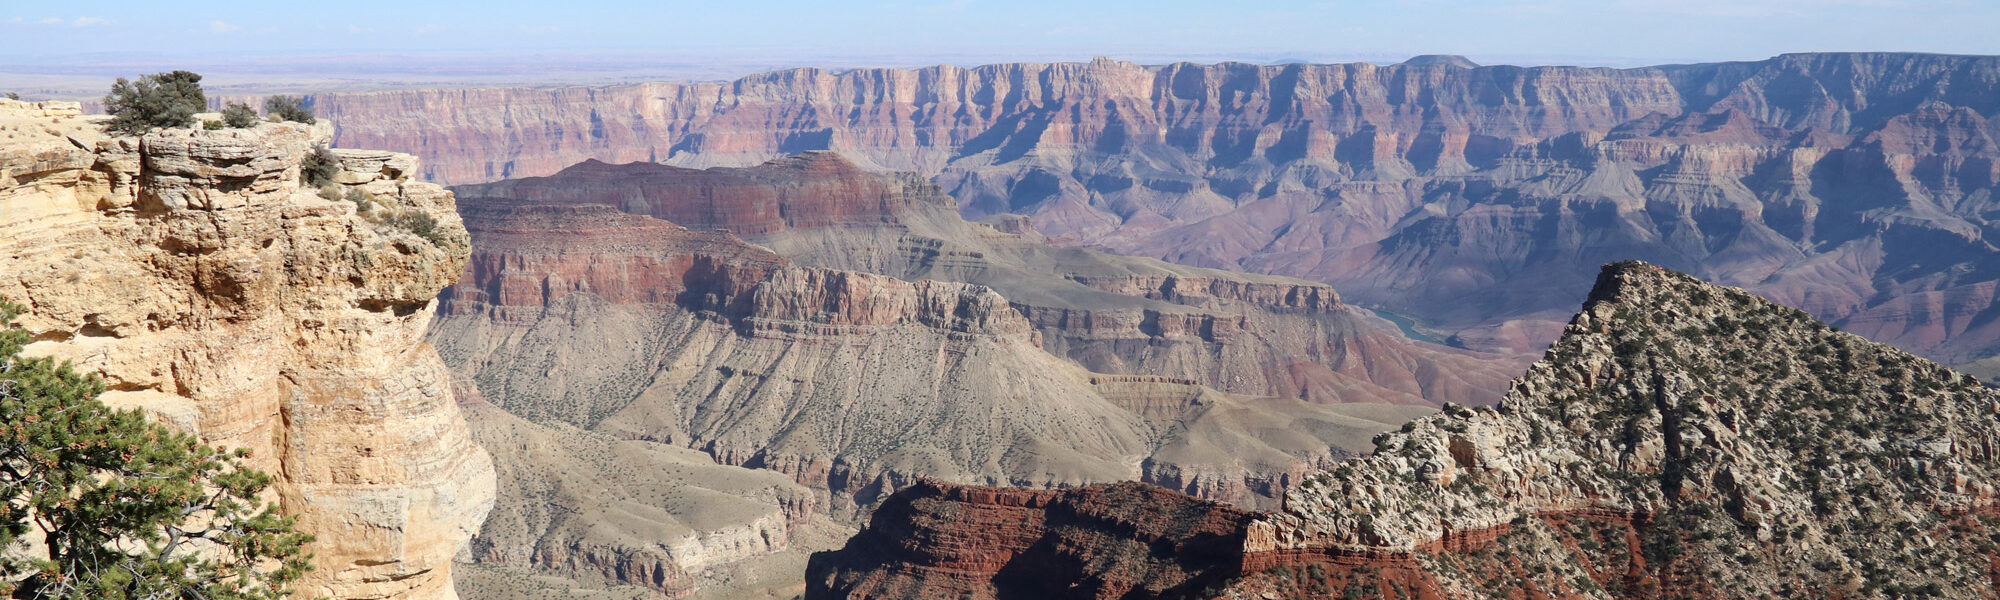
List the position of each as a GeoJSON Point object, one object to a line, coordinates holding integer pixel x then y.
{"type": "Point", "coordinates": [192, 270]}
{"type": "Point", "coordinates": [1477, 199]}
{"type": "Point", "coordinates": [603, 328]}
{"type": "Point", "coordinates": [1681, 440]}
{"type": "Point", "coordinates": [1245, 334]}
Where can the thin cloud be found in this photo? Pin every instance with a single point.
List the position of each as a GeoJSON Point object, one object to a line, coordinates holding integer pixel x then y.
{"type": "Point", "coordinates": [52, 21]}
{"type": "Point", "coordinates": [87, 21]}
{"type": "Point", "coordinates": [221, 27]}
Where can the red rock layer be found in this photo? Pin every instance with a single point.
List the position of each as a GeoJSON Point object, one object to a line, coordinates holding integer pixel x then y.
{"type": "Point", "coordinates": [1682, 440]}
{"type": "Point", "coordinates": [811, 190]}
{"type": "Point", "coordinates": [532, 256]}
{"type": "Point", "coordinates": [1127, 540]}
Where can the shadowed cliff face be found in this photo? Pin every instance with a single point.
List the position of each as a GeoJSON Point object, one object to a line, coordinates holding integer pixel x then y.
{"type": "Point", "coordinates": [1478, 200]}
{"type": "Point", "coordinates": [1680, 440]}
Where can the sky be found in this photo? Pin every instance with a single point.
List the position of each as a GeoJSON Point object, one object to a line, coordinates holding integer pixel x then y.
{"type": "Point", "coordinates": [717, 37]}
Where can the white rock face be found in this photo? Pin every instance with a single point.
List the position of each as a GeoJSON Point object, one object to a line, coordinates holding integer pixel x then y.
{"type": "Point", "coordinates": [210, 289]}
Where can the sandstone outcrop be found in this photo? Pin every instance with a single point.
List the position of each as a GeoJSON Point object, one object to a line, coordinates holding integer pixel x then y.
{"type": "Point", "coordinates": [1478, 200]}
{"type": "Point", "coordinates": [195, 274]}
{"type": "Point", "coordinates": [1680, 440]}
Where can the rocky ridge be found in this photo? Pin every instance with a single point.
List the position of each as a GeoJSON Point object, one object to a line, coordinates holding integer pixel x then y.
{"type": "Point", "coordinates": [1681, 440]}
{"type": "Point", "coordinates": [1478, 200]}
{"type": "Point", "coordinates": [210, 289]}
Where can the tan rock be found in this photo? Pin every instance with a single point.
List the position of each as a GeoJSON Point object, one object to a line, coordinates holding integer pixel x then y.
{"type": "Point", "coordinates": [191, 270]}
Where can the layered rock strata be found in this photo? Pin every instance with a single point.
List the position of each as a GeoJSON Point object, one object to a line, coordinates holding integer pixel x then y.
{"type": "Point", "coordinates": [1681, 440]}
{"type": "Point", "coordinates": [605, 329]}
{"type": "Point", "coordinates": [211, 290]}
{"type": "Point", "coordinates": [1127, 540]}
{"type": "Point", "coordinates": [604, 511]}
{"type": "Point", "coordinates": [642, 329]}
{"type": "Point", "coordinates": [1245, 334]}
{"type": "Point", "coordinates": [1478, 200]}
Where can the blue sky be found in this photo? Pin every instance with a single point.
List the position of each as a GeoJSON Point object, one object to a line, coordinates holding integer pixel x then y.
{"type": "Point", "coordinates": [908, 32]}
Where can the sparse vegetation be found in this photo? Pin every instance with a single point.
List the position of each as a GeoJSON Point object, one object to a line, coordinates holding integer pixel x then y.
{"type": "Point", "coordinates": [319, 169]}
{"type": "Point", "coordinates": [124, 508]}
{"type": "Point", "coordinates": [239, 115]}
{"type": "Point", "coordinates": [289, 108]}
{"type": "Point", "coordinates": [362, 203]}
{"type": "Point", "coordinates": [154, 101]}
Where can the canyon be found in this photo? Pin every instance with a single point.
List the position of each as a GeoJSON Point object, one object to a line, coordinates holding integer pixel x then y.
{"type": "Point", "coordinates": [1751, 451]}
{"type": "Point", "coordinates": [216, 293]}
{"type": "Point", "coordinates": [848, 332]}
{"type": "Point", "coordinates": [1476, 200]}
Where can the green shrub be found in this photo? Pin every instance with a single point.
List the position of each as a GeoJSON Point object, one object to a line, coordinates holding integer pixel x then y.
{"type": "Point", "coordinates": [420, 223]}
{"type": "Point", "coordinates": [13, 96]}
{"type": "Point", "coordinates": [211, 125]}
{"type": "Point", "coordinates": [362, 203]}
{"type": "Point", "coordinates": [239, 115]}
{"type": "Point", "coordinates": [319, 168]}
{"type": "Point", "coordinates": [153, 101]}
{"type": "Point", "coordinates": [289, 108]}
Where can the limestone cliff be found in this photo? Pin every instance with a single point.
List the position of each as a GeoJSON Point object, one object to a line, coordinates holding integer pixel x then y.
{"type": "Point", "coordinates": [1479, 200]}
{"type": "Point", "coordinates": [1681, 440]}
{"type": "Point", "coordinates": [192, 270]}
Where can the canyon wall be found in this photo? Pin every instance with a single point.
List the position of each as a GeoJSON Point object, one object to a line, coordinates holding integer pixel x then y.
{"type": "Point", "coordinates": [211, 290]}
{"type": "Point", "coordinates": [616, 341]}
{"type": "Point", "coordinates": [1239, 333]}
{"type": "Point", "coordinates": [1477, 200]}
{"type": "Point", "coordinates": [1681, 440]}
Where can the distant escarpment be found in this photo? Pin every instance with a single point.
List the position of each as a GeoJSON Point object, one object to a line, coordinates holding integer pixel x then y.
{"type": "Point", "coordinates": [1244, 334]}
{"type": "Point", "coordinates": [1477, 199]}
{"type": "Point", "coordinates": [214, 292]}
{"type": "Point", "coordinates": [1680, 440]}
{"type": "Point", "coordinates": [624, 331]}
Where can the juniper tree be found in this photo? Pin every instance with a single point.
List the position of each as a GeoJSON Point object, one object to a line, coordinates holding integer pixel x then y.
{"type": "Point", "coordinates": [239, 115]}
{"type": "Point", "coordinates": [159, 100]}
{"type": "Point", "coordinates": [124, 509]}
{"type": "Point", "coordinates": [289, 108]}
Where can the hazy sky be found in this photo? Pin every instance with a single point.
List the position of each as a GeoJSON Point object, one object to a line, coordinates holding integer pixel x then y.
{"type": "Point", "coordinates": [908, 32]}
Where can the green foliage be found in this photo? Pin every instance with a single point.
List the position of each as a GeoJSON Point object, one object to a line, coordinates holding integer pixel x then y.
{"type": "Point", "coordinates": [239, 115]}
{"type": "Point", "coordinates": [13, 96]}
{"type": "Point", "coordinates": [363, 204]}
{"type": "Point", "coordinates": [417, 222]}
{"type": "Point", "coordinates": [125, 509]}
{"type": "Point", "coordinates": [153, 101]}
{"type": "Point", "coordinates": [319, 168]}
{"type": "Point", "coordinates": [211, 125]}
{"type": "Point", "coordinates": [289, 108]}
